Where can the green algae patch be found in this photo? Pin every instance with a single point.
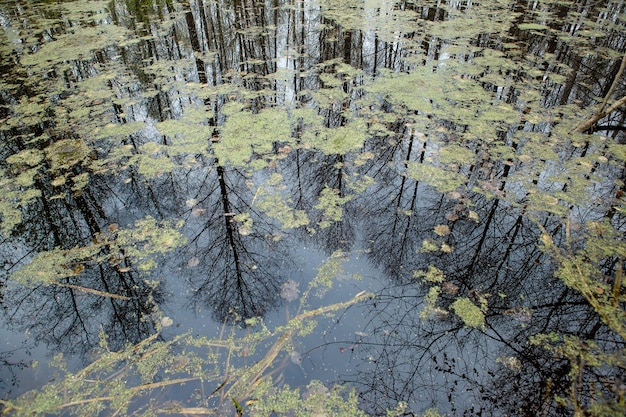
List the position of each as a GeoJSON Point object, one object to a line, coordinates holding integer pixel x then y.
{"type": "Point", "coordinates": [470, 313]}
{"type": "Point", "coordinates": [152, 165]}
{"type": "Point", "coordinates": [432, 274]}
{"type": "Point", "coordinates": [149, 238]}
{"type": "Point", "coordinates": [118, 131]}
{"type": "Point", "coordinates": [441, 179]}
{"type": "Point", "coordinates": [139, 244]}
{"type": "Point", "coordinates": [532, 26]}
{"type": "Point", "coordinates": [118, 380]}
{"type": "Point", "coordinates": [29, 157]}
{"type": "Point", "coordinates": [245, 133]}
{"type": "Point", "coordinates": [313, 400]}
{"type": "Point", "coordinates": [456, 154]}
{"type": "Point", "coordinates": [190, 134]}
{"type": "Point", "coordinates": [331, 204]}
{"type": "Point", "coordinates": [411, 91]}
{"type": "Point", "coordinates": [326, 275]}
{"type": "Point", "coordinates": [280, 208]}
{"type": "Point", "coordinates": [13, 198]}
{"type": "Point", "coordinates": [271, 199]}
{"type": "Point", "coordinates": [50, 267]}
{"type": "Point", "coordinates": [66, 153]}
{"type": "Point", "coordinates": [341, 140]}
{"type": "Point", "coordinates": [76, 45]}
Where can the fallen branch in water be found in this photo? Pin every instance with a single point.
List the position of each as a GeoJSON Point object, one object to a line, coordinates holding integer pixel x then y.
{"type": "Point", "coordinates": [253, 375]}
{"type": "Point", "coordinates": [92, 291]}
{"type": "Point", "coordinates": [599, 115]}
{"type": "Point", "coordinates": [603, 111]}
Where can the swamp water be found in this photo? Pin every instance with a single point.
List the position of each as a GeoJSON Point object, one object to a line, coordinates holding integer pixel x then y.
{"type": "Point", "coordinates": [292, 207]}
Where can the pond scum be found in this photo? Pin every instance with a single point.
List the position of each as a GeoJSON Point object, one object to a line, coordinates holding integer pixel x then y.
{"type": "Point", "coordinates": [127, 382]}
{"type": "Point", "coordinates": [135, 379]}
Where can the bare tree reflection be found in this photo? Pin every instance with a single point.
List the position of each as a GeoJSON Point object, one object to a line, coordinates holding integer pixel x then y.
{"type": "Point", "coordinates": [429, 358]}
{"type": "Point", "coordinates": [235, 265]}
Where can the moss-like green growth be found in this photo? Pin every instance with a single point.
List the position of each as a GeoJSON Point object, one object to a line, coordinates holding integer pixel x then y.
{"type": "Point", "coordinates": [245, 133]}
{"type": "Point", "coordinates": [66, 153]}
{"type": "Point", "coordinates": [147, 239]}
{"type": "Point", "coordinates": [441, 179]}
{"type": "Point", "coordinates": [51, 266]}
{"type": "Point", "coordinates": [75, 45]}
{"type": "Point", "coordinates": [278, 207]}
{"type": "Point", "coordinates": [340, 140]}
{"type": "Point", "coordinates": [331, 204]}
{"type": "Point", "coordinates": [433, 274]}
{"type": "Point", "coordinates": [13, 199]}
{"type": "Point", "coordinates": [273, 201]}
{"type": "Point", "coordinates": [117, 381]}
{"type": "Point", "coordinates": [327, 274]}
{"type": "Point", "coordinates": [430, 301]}
{"type": "Point", "coordinates": [314, 400]}
{"type": "Point", "coordinates": [470, 313]}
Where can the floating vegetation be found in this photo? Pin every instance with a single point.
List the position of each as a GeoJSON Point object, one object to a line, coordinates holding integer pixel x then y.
{"type": "Point", "coordinates": [190, 145]}
{"type": "Point", "coordinates": [246, 133]}
{"type": "Point", "coordinates": [116, 382]}
{"type": "Point", "coordinates": [64, 154]}
{"type": "Point", "coordinates": [139, 244]}
{"type": "Point", "coordinates": [272, 201]}
{"type": "Point", "coordinates": [470, 313]}
{"type": "Point", "coordinates": [433, 274]}
{"type": "Point", "coordinates": [331, 204]}
{"type": "Point", "coordinates": [444, 181]}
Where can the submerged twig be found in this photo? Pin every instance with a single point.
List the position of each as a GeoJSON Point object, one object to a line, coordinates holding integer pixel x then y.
{"type": "Point", "coordinates": [92, 291]}
{"type": "Point", "coordinates": [253, 375]}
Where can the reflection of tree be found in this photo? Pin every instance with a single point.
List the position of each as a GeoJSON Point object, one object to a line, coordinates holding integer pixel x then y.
{"type": "Point", "coordinates": [321, 176]}
{"type": "Point", "coordinates": [50, 154]}
{"type": "Point", "coordinates": [429, 358]}
{"type": "Point", "coordinates": [233, 249]}
{"type": "Point", "coordinates": [67, 211]}
{"type": "Point", "coordinates": [69, 320]}
{"type": "Point", "coordinates": [487, 250]}
{"type": "Point", "coordinates": [10, 370]}
{"type": "Point", "coordinates": [439, 363]}
{"type": "Point", "coordinates": [64, 315]}
{"type": "Point", "coordinates": [64, 216]}
{"type": "Point", "coordinates": [478, 232]}
{"type": "Point", "coordinates": [394, 226]}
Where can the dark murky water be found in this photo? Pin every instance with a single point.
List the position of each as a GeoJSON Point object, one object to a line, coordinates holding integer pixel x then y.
{"type": "Point", "coordinates": [216, 159]}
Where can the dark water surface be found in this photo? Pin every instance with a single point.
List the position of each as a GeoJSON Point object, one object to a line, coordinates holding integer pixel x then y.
{"type": "Point", "coordinates": [220, 167]}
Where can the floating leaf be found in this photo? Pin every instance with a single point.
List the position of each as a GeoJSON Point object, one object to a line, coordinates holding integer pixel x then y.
{"type": "Point", "coordinates": [295, 357]}
{"type": "Point", "coordinates": [289, 290]}
{"type": "Point", "coordinates": [442, 230]}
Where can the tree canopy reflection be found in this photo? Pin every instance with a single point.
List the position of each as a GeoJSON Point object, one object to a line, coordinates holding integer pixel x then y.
{"type": "Point", "coordinates": [473, 154]}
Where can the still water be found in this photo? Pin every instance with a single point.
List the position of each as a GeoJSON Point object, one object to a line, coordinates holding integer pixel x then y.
{"type": "Point", "coordinates": [237, 172]}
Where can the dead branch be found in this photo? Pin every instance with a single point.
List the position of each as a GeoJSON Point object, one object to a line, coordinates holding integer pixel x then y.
{"type": "Point", "coordinates": [603, 110]}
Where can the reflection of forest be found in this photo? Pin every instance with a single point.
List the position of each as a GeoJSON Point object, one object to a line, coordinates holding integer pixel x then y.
{"type": "Point", "coordinates": [429, 136]}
